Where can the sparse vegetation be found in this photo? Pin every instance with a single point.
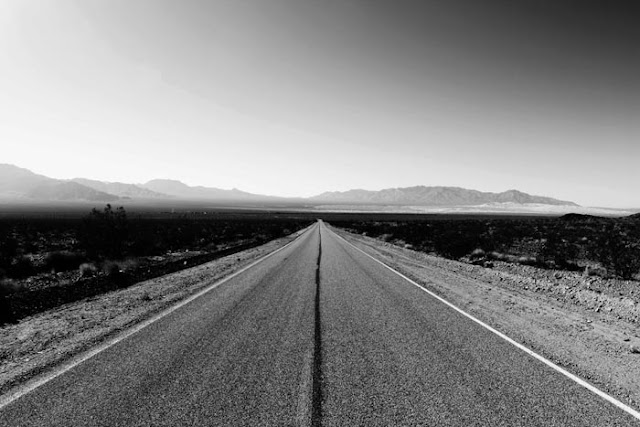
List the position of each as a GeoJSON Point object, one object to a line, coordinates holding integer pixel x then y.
{"type": "Point", "coordinates": [602, 246]}
{"type": "Point", "coordinates": [88, 269]}
{"type": "Point", "coordinates": [47, 261]}
{"type": "Point", "coordinates": [617, 249]}
{"type": "Point", "coordinates": [60, 261]}
{"type": "Point", "coordinates": [104, 233]}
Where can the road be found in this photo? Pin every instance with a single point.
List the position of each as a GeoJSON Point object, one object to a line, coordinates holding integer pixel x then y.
{"type": "Point", "coordinates": [317, 334]}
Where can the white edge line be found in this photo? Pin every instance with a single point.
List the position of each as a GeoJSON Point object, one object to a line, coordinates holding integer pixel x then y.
{"type": "Point", "coordinates": [527, 350]}
{"type": "Point", "coordinates": [31, 385]}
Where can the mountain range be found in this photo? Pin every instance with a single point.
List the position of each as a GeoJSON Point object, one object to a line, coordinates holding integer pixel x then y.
{"type": "Point", "coordinates": [19, 184]}
{"type": "Point", "coordinates": [435, 196]}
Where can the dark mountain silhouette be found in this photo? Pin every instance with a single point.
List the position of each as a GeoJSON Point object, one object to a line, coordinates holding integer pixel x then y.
{"type": "Point", "coordinates": [434, 196]}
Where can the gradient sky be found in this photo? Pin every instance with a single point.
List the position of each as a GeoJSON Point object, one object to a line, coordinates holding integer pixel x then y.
{"type": "Point", "coordinates": [297, 97]}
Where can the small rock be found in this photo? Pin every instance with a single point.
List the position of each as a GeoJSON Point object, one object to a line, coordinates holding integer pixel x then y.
{"type": "Point", "coordinates": [626, 339]}
{"type": "Point", "coordinates": [634, 349]}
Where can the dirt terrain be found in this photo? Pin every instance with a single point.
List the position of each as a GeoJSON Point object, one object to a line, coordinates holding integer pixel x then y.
{"type": "Point", "coordinates": [46, 339]}
{"type": "Point", "coordinates": [588, 325]}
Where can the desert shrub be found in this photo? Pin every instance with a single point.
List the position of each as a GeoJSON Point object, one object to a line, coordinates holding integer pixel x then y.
{"type": "Point", "coordinates": [7, 287]}
{"type": "Point", "coordinates": [511, 258]}
{"type": "Point", "coordinates": [558, 251]}
{"type": "Point", "coordinates": [527, 260]}
{"type": "Point", "coordinates": [595, 271]}
{"type": "Point", "coordinates": [498, 256]}
{"type": "Point", "coordinates": [8, 248]}
{"type": "Point", "coordinates": [63, 261]}
{"type": "Point", "coordinates": [88, 269]}
{"type": "Point", "coordinates": [618, 251]}
{"type": "Point", "coordinates": [111, 268]}
{"type": "Point", "coordinates": [104, 233]}
{"type": "Point", "coordinates": [626, 263]}
{"type": "Point", "coordinates": [477, 253]}
{"type": "Point", "coordinates": [22, 266]}
{"type": "Point", "coordinates": [453, 243]}
{"type": "Point", "coordinates": [145, 239]}
{"type": "Point", "coordinates": [127, 264]}
{"type": "Point", "coordinates": [115, 272]}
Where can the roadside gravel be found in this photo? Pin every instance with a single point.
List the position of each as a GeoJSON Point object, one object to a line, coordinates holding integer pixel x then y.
{"type": "Point", "coordinates": [588, 325]}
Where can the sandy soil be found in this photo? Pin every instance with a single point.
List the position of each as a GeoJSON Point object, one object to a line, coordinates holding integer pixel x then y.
{"type": "Point", "coordinates": [588, 325]}
{"type": "Point", "coordinates": [44, 340]}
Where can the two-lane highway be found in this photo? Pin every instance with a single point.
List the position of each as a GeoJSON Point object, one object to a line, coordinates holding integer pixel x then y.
{"type": "Point", "coordinates": [317, 334]}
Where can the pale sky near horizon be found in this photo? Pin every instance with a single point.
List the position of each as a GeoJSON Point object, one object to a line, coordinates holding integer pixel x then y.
{"type": "Point", "coordinates": [297, 97]}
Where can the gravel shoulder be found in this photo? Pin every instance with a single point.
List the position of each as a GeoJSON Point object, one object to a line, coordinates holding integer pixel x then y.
{"type": "Point", "coordinates": [588, 325]}
{"type": "Point", "coordinates": [42, 341]}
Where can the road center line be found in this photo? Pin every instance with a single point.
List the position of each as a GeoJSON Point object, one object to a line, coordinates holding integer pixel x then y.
{"type": "Point", "coordinates": [527, 350]}
{"type": "Point", "coordinates": [316, 400]}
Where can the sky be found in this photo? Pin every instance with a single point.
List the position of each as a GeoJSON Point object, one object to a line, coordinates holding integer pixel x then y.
{"type": "Point", "coordinates": [298, 97]}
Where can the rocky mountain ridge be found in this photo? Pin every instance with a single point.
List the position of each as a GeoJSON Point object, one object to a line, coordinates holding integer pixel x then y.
{"type": "Point", "coordinates": [435, 196]}
{"type": "Point", "coordinates": [23, 185]}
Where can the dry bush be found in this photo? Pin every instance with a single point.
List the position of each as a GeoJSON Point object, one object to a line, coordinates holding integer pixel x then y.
{"type": "Point", "coordinates": [478, 253]}
{"type": "Point", "coordinates": [110, 268]}
{"type": "Point", "coordinates": [527, 260]}
{"type": "Point", "coordinates": [88, 269]}
{"type": "Point", "coordinates": [63, 261]}
{"type": "Point", "coordinates": [22, 266]}
{"type": "Point", "coordinates": [7, 287]}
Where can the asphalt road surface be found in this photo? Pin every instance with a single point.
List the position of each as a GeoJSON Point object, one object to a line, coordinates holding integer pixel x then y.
{"type": "Point", "coordinates": [317, 334]}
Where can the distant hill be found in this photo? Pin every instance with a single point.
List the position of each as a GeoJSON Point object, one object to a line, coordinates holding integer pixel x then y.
{"type": "Point", "coordinates": [22, 184]}
{"type": "Point", "coordinates": [19, 184]}
{"type": "Point", "coordinates": [435, 196]}
{"type": "Point", "coordinates": [69, 190]}
{"type": "Point", "coordinates": [182, 190]}
{"type": "Point", "coordinates": [121, 189]}
{"type": "Point", "coordinates": [19, 181]}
